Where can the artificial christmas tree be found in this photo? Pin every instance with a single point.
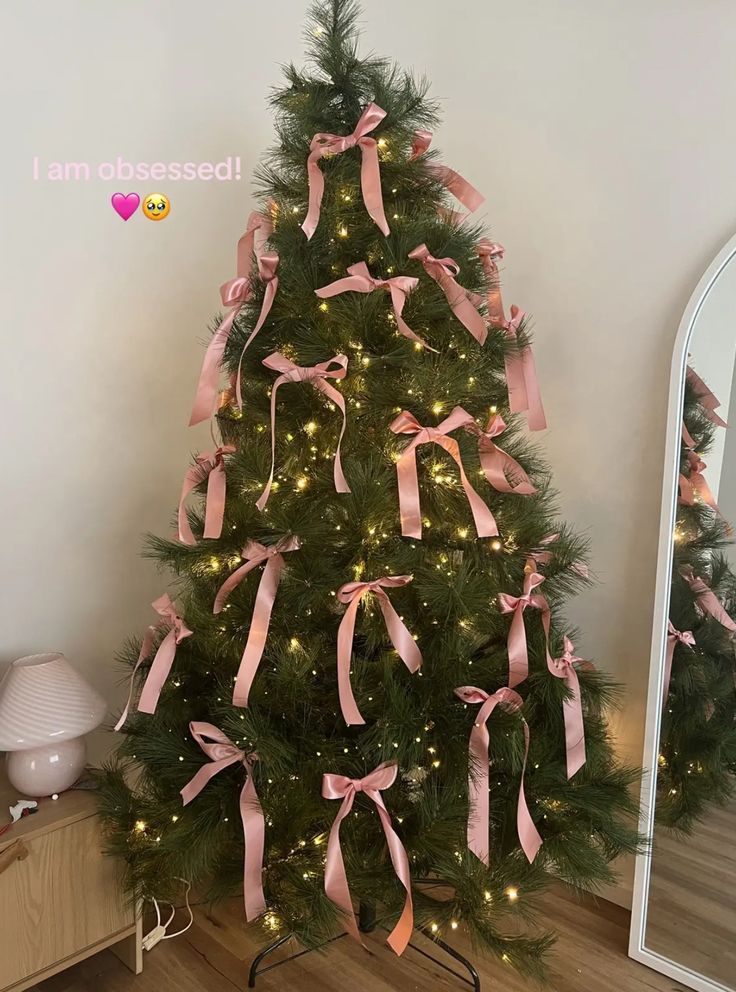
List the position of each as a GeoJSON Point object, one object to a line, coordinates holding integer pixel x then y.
{"type": "Point", "coordinates": [697, 759]}
{"type": "Point", "coordinates": [369, 597]}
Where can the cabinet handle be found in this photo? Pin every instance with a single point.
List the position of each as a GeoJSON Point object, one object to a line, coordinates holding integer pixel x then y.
{"type": "Point", "coordinates": [17, 851]}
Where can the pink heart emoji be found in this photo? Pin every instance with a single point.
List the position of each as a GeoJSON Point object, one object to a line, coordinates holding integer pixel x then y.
{"type": "Point", "coordinates": [125, 205]}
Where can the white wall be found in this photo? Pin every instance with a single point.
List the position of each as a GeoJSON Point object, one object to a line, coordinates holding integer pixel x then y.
{"type": "Point", "coordinates": [603, 134]}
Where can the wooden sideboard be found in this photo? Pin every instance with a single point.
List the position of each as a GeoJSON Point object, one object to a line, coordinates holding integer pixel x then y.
{"type": "Point", "coordinates": [60, 896]}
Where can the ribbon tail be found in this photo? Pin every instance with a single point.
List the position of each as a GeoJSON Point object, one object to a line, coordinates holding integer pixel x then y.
{"type": "Point", "coordinates": [460, 188]}
{"type": "Point", "coordinates": [205, 399]}
{"type": "Point", "coordinates": [528, 834]}
{"type": "Point", "coordinates": [336, 879]}
{"type": "Point", "coordinates": [516, 383]}
{"type": "Point", "coordinates": [399, 635]}
{"type": "Point", "coordinates": [345, 632]}
{"type": "Point", "coordinates": [478, 795]}
{"type": "Point", "coordinates": [341, 483]}
{"type": "Point", "coordinates": [254, 836]}
{"type": "Point", "coordinates": [517, 648]}
{"type": "Point", "coordinates": [398, 299]}
{"type": "Point", "coordinates": [191, 479]}
{"type": "Point", "coordinates": [215, 510]}
{"type": "Point", "coordinates": [263, 498]}
{"type": "Point", "coordinates": [574, 725]}
{"type": "Point", "coordinates": [195, 785]}
{"type": "Point", "coordinates": [258, 632]}
{"type": "Point", "coordinates": [503, 472]}
{"type": "Point", "coordinates": [370, 182]}
{"type": "Point", "coordinates": [144, 653]}
{"type": "Point", "coordinates": [485, 522]}
{"type": "Point", "coordinates": [535, 411]}
{"type": "Point", "coordinates": [464, 310]}
{"type": "Point", "coordinates": [409, 505]}
{"type": "Point", "coordinates": [231, 582]}
{"type": "Point", "coordinates": [316, 190]}
{"type": "Point", "coordinates": [158, 674]}
{"type": "Point", "coordinates": [268, 298]}
{"type": "Point", "coordinates": [400, 936]}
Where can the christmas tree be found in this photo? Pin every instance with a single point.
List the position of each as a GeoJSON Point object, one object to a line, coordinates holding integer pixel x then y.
{"type": "Point", "coordinates": [697, 759]}
{"type": "Point", "coordinates": [367, 662]}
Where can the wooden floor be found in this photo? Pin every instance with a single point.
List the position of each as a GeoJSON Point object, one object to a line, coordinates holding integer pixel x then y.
{"type": "Point", "coordinates": [590, 957]}
{"type": "Point", "coordinates": [692, 905]}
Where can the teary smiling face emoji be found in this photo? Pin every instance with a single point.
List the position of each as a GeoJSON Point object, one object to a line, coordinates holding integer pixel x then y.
{"type": "Point", "coordinates": [156, 206]}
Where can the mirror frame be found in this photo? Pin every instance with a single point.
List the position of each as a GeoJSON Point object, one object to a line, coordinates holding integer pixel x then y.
{"type": "Point", "coordinates": [637, 950]}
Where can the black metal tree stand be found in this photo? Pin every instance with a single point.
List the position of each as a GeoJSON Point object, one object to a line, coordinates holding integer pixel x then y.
{"type": "Point", "coordinates": [366, 924]}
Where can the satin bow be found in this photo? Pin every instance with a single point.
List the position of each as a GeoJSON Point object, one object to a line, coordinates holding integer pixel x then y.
{"type": "Point", "coordinates": [235, 294]}
{"type": "Point", "coordinates": [706, 397]}
{"type": "Point", "coordinates": [517, 645]}
{"type": "Point", "coordinates": [370, 172]}
{"type": "Point", "coordinates": [572, 707]}
{"type": "Point", "coordinates": [223, 753]}
{"type": "Point", "coordinates": [210, 466]}
{"type": "Point", "coordinates": [317, 375]}
{"type": "Point", "coordinates": [361, 281]}
{"type": "Point", "coordinates": [256, 554]}
{"type": "Point", "coordinates": [406, 468]}
{"type": "Point", "coordinates": [479, 775]}
{"type": "Point", "coordinates": [162, 662]}
{"type": "Point", "coordinates": [453, 182]}
{"type": "Point", "coordinates": [489, 252]}
{"type": "Point", "coordinates": [674, 637]}
{"type": "Point", "coordinates": [521, 376]}
{"type": "Point", "coordinates": [706, 599]}
{"type": "Point", "coordinates": [502, 471]}
{"type": "Point", "coordinates": [336, 880]}
{"type": "Point", "coordinates": [267, 265]}
{"type": "Point", "coordinates": [696, 482]}
{"type": "Point", "coordinates": [444, 271]}
{"type": "Point", "coordinates": [351, 594]}
{"type": "Point", "coordinates": [544, 557]}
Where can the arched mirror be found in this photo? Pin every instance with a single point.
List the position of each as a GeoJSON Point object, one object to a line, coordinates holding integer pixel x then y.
{"type": "Point", "coordinates": [684, 917]}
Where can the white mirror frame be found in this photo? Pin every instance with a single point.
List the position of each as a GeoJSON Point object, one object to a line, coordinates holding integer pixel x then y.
{"type": "Point", "coordinates": [637, 950]}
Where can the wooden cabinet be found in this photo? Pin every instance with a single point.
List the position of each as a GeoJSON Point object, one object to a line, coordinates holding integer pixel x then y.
{"type": "Point", "coordinates": [60, 897]}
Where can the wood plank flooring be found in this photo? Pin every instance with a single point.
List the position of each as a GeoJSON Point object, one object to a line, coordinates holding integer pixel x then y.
{"type": "Point", "coordinates": [590, 957]}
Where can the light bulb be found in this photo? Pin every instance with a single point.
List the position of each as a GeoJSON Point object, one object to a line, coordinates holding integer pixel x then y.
{"type": "Point", "coordinates": [496, 545]}
{"type": "Point", "coordinates": [140, 826]}
{"type": "Point", "coordinates": [511, 893]}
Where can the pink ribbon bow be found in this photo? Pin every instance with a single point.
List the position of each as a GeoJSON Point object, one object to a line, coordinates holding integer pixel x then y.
{"type": "Point", "coordinates": [164, 659]}
{"type": "Point", "coordinates": [235, 294]}
{"type": "Point", "coordinates": [267, 265]}
{"type": "Point", "coordinates": [370, 173]}
{"type": "Point", "coordinates": [572, 707]}
{"type": "Point", "coordinates": [706, 599]}
{"type": "Point", "coordinates": [696, 483]}
{"type": "Point", "coordinates": [460, 188]}
{"type": "Point", "coordinates": [674, 637]}
{"type": "Point", "coordinates": [479, 775]}
{"type": "Point", "coordinates": [502, 471]}
{"type": "Point", "coordinates": [517, 646]}
{"type": "Point", "coordinates": [444, 271]}
{"type": "Point", "coordinates": [223, 753]}
{"type": "Point", "coordinates": [706, 397]}
{"type": "Point", "coordinates": [352, 593]}
{"type": "Point", "coordinates": [336, 880]}
{"type": "Point", "coordinates": [406, 469]}
{"type": "Point", "coordinates": [210, 466]}
{"type": "Point", "coordinates": [489, 252]}
{"type": "Point", "coordinates": [317, 375]}
{"type": "Point", "coordinates": [521, 377]}
{"type": "Point", "coordinates": [256, 554]}
{"type": "Point", "coordinates": [361, 281]}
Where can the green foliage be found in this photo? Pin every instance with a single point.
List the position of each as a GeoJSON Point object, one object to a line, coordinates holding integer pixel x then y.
{"type": "Point", "coordinates": [697, 759]}
{"type": "Point", "coordinates": [294, 721]}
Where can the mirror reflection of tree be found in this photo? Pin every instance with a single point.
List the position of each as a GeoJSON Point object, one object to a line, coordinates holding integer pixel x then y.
{"type": "Point", "coordinates": [697, 755]}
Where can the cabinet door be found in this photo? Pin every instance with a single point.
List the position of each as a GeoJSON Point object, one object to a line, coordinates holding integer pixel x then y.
{"type": "Point", "coordinates": [63, 898]}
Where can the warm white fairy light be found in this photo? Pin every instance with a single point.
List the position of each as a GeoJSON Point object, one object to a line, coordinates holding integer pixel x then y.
{"type": "Point", "coordinates": [324, 306]}
{"type": "Point", "coordinates": [511, 893]}
{"type": "Point", "coordinates": [496, 545]}
{"type": "Point", "coordinates": [342, 231]}
{"type": "Point", "coordinates": [140, 826]}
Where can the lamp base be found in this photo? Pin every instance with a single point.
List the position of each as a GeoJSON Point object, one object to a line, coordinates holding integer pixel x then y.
{"type": "Point", "coordinates": [43, 771]}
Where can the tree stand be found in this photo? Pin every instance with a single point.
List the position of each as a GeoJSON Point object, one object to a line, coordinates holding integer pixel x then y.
{"type": "Point", "coordinates": [367, 924]}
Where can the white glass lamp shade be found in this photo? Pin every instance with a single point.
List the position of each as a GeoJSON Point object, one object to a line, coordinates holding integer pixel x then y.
{"type": "Point", "coordinates": [44, 701]}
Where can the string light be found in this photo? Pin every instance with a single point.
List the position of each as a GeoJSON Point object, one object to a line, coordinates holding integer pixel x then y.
{"type": "Point", "coordinates": [301, 483]}
{"type": "Point", "coordinates": [174, 818]}
{"type": "Point", "coordinates": [496, 545]}
{"type": "Point", "coordinates": [434, 928]}
{"type": "Point", "coordinates": [140, 826]}
{"type": "Point", "coordinates": [310, 428]}
{"type": "Point", "coordinates": [324, 306]}
{"type": "Point", "coordinates": [342, 231]}
{"type": "Point", "coordinates": [511, 893]}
